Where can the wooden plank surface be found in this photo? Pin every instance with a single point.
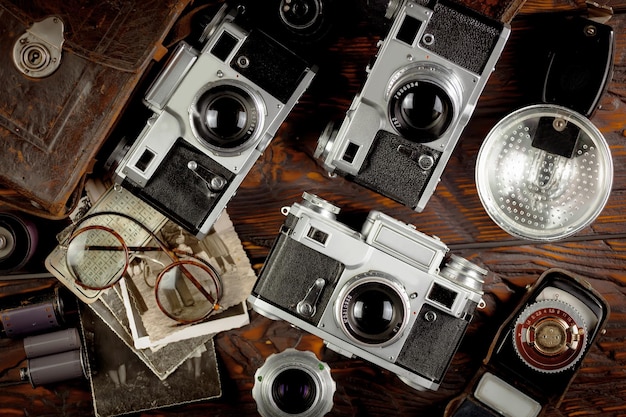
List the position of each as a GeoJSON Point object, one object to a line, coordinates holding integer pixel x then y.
{"type": "Point", "coordinates": [454, 214]}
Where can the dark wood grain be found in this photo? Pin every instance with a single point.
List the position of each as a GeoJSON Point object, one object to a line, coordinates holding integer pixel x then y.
{"type": "Point", "coordinates": [454, 214]}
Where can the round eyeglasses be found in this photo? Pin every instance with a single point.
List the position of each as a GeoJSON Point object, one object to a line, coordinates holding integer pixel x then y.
{"type": "Point", "coordinates": [186, 289]}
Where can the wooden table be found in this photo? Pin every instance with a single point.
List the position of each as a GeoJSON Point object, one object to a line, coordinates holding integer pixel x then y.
{"type": "Point", "coordinates": [454, 214]}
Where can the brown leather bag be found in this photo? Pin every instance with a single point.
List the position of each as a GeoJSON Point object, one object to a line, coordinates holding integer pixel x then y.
{"type": "Point", "coordinates": [52, 127]}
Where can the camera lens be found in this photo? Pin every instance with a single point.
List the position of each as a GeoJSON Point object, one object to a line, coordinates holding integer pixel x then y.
{"type": "Point", "coordinates": [421, 111]}
{"type": "Point", "coordinates": [294, 391]}
{"type": "Point", "coordinates": [373, 309]}
{"type": "Point", "coordinates": [224, 117]}
{"type": "Point", "coordinates": [293, 383]}
{"type": "Point", "coordinates": [300, 14]}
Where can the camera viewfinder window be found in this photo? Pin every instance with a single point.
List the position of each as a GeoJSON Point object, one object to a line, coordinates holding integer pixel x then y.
{"type": "Point", "coordinates": [350, 153]}
{"type": "Point", "coordinates": [144, 160]}
{"type": "Point", "coordinates": [408, 30]}
{"type": "Point", "coordinates": [224, 46]}
{"type": "Point", "coordinates": [442, 295]}
{"type": "Point", "coordinates": [317, 235]}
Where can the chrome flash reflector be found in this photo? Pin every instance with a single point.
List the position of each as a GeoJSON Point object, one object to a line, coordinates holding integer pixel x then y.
{"type": "Point", "coordinates": [544, 172]}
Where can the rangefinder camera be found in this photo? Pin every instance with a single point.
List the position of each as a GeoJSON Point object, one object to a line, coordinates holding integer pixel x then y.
{"type": "Point", "coordinates": [389, 294]}
{"type": "Point", "coordinates": [421, 91]}
{"type": "Point", "coordinates": [537, 351]}
{"type": "Point", "coordinates": [215, 111]}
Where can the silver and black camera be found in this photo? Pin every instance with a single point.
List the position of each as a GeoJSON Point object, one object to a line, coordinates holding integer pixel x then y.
{"type": "Point", "coordinates": [421, 91]}
{"type": "Point", "coordinates": [389, 294]}
{"type": "Point", "coordinates": [215, 111]}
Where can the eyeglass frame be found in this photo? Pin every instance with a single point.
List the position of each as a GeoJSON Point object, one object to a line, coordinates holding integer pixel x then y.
{"type": "Point", "coordinates": [173, 254]}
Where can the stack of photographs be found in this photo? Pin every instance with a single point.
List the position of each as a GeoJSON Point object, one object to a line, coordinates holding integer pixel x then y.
{"type": "Point", "coordinates": [130, 342]}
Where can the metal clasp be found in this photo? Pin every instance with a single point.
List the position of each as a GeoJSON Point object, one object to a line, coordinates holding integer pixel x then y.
{"type": "Point", "coordinates": [37, 53]}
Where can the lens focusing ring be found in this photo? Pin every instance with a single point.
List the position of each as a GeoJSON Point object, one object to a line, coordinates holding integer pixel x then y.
{"type": "Point", "coordinates": [226, 117]}
{"type": "Point", "coordinates": [373, 309]}
{"type": "Point", "coordinates": [416, 85]}
{"type": "Point", "coordinates": [319, 205]}
{"type": "Point", "coordinates": [293, 383]}
{"type": "Point", "coordinates": [465, 273]}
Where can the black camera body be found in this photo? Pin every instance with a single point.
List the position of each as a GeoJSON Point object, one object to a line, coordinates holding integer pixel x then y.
{"type": "Point", "coordinates": [421, 91]}
{"type": "Point", "coordinates": [537, 351]}
{"type": "Point", "coordinates": [215, 111]}
{"type": "Point", "coordinates": [388, 294]}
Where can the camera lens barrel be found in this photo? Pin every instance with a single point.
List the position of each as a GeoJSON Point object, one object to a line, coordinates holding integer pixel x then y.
{"type": "Point", "coordinates": [292, 383]}
{"type": "Point", "coordinates": [18, 241]}
{"type": "Point", "coordinates": [373, 309]}
{"type": "Point", "coordinates": [424, 99]}
{"type": "Point", "coordinates": [226, 117]}
{"type": "Point", "coordinates": [320, 206]}
{"type": "Point", "coordinates": [300, 14]}
{"type": "Point", "coordinates": [464, 272]}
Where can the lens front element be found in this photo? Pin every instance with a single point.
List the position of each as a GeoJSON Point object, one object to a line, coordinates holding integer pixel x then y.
{"type": "Point", "coordinates": [373, 309]}
{"type": "Point", "coordinates": [300, 14]}
{"type": "Point", "coordinates": [294, 391]}
{"type": "Point", "coordinates": [224, 117]}
{"type": "Point", "coordinates": [420, 111]}
{"type": "Point", "coordinates": [423, 101]}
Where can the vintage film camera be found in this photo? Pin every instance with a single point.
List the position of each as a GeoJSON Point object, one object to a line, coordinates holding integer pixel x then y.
{"type": "Point", "coordinates": [379, 294]}
{"type": "Point", "coordinates": [420, 92]}
{"type": "Point", "coordinates": [537, 351]}
{"type": "Point", "coordinates": [215, 111]}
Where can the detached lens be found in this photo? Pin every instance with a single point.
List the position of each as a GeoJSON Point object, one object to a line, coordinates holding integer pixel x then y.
{"type": "Point", "coordinates": [293, 383]}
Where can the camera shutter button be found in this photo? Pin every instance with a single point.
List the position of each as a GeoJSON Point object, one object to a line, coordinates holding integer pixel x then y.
{"type": "Point", "coordinates": [426, 162]}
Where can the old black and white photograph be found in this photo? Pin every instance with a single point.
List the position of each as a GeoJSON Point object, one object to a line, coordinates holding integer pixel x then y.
{"type": "Point", "coordinates": [123, 384]}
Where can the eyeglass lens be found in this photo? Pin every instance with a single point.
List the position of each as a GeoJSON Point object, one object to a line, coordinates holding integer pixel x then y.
{"type": "Point", "coordinates": [187, 290]}
{"type": "Point", "coordinates": [97, 257]}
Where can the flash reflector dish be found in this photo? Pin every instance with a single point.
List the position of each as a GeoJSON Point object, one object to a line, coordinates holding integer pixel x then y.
{"type": "Point", "coordinates": [544, 172]}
